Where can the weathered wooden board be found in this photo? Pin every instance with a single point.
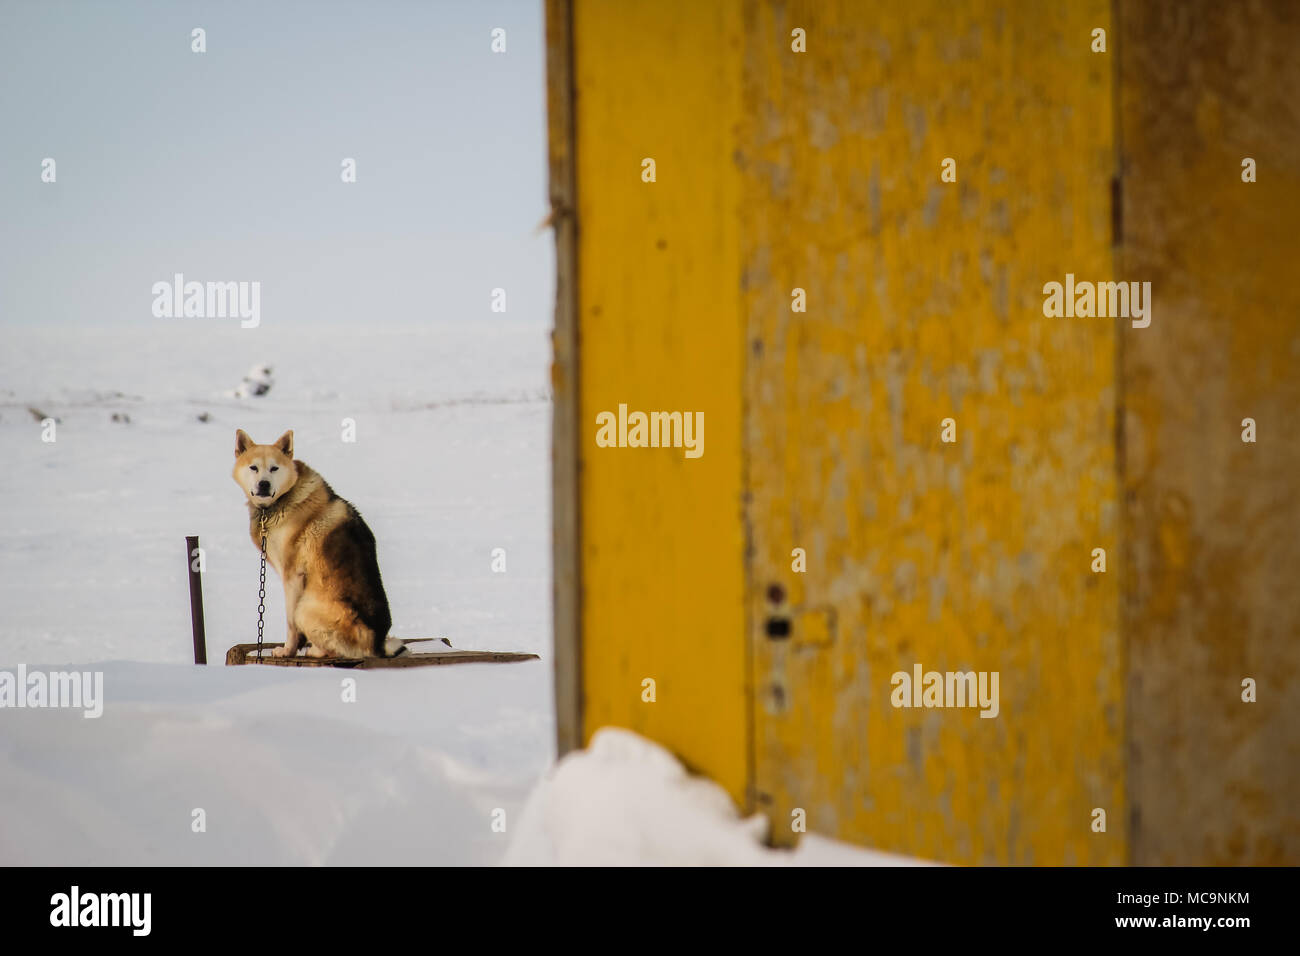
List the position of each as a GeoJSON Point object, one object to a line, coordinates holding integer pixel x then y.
{"type": "Point", "coordinates": [247, 654]}
{"type": "Point", "coordinates": [565, 428]}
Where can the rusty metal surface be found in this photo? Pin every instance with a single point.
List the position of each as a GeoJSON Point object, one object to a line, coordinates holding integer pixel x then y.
{"type": "Point", "coordinates": [1212, 523]}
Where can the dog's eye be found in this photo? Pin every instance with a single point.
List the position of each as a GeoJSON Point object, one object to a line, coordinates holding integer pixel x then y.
{"type": "Point", "coordinates": [275, 467]}
{"type": "Point", "coordinates": [252, 468]}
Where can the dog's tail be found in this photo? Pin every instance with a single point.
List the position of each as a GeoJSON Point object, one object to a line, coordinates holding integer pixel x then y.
{"type": "Point", "coordinates": [393, 646]}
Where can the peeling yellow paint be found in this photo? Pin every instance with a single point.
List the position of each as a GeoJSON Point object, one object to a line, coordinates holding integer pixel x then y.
{"type": "Point", "coordinates": [925, 304]}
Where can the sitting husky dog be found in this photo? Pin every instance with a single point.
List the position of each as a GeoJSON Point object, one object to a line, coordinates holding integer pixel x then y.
{"type": "Point", "coordinates": [333, 597]}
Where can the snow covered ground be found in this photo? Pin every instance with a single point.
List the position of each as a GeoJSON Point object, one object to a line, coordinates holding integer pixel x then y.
{"type": "Point", "coordinates": [284, 771]}
{"type": "Point", "coordinates": [627, 801]}
{"type": "Point", "coordinates": [450, 462]}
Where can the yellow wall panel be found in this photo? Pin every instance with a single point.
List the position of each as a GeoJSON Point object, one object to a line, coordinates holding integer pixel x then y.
{"type": "Point", "coordinates": [659, 328]}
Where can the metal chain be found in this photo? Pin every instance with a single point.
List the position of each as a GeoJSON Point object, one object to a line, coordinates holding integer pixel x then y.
{"type": "Point", "coordinates": [261, 594]}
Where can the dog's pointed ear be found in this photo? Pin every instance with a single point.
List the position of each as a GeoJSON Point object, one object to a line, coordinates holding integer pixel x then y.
{"type": "Point", "coordinates": [285, 443]}
{"type": "Point", "coordinates": [242, 441]}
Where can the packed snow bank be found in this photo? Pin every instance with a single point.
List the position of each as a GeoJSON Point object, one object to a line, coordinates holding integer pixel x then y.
{"type": "Point", "coordinates": [287, 769]}
{"type": "Point", "coordinates": [626, 801]}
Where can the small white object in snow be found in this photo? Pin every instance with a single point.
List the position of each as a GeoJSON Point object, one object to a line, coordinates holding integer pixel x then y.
{"type": "Point", "coordinates": [257, 382]}
{"type": "Point", "coordinates": [626, 801]}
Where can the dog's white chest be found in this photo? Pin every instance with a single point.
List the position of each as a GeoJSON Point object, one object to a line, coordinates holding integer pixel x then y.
{"type": "Point", "coordinates": [275, 545]}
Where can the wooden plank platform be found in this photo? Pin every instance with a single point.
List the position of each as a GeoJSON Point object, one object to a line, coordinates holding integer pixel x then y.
{"type": "Point", "coordinates": [247, 654]}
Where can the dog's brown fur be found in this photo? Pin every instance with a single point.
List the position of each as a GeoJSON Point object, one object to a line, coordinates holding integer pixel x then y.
{"type": "Point", "coordinates": [324, 552]}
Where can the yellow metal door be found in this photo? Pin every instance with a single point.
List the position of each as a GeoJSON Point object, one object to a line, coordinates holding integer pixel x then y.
{"type": "Point", "coordinates": [924, 303]}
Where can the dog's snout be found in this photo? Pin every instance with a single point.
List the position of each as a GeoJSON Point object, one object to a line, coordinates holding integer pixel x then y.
{"type": "Point", "coordinates": [263, 487]}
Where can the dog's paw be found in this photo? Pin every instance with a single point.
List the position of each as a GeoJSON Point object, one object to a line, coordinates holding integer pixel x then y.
{"type": "Point", "coordinates": [282, 652]}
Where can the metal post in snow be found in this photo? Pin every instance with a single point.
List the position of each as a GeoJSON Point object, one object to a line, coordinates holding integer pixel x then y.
{"type": "Point", "coordinates": [196, 600]}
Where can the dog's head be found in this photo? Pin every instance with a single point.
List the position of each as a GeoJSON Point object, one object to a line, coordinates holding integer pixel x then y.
{"type": "Point", "coordinates": [265, 472]}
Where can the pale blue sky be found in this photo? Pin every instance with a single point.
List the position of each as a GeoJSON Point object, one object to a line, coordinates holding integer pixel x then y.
{"type": "Point", "coordinates": [225, 165]}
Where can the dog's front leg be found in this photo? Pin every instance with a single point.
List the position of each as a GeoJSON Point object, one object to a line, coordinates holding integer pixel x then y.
{"type": "Point", "coordinates": [293, 588]}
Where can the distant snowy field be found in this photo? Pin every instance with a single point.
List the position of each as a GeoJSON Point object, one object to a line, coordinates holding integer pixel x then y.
{"type": "Point", "coordinates": [451, 461]}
